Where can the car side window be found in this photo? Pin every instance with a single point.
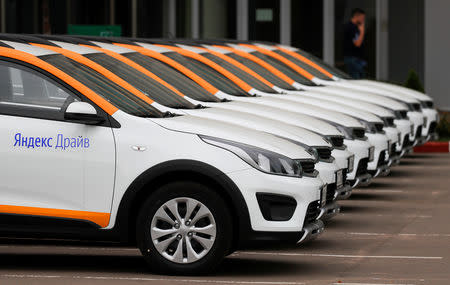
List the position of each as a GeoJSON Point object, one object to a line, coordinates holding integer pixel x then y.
{"type": "Point", "coordinates": [25, 92]}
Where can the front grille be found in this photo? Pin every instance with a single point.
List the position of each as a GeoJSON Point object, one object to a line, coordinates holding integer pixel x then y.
{"type": "Point", "coordinates": [344, 176]}
{"type": "Point", "coordinates": [419, 132]}
{"type": "Point", "coordinates": [324, 153]}
{"type": "Point", "coordinates": [312, 212]}
{"type": "Point", "coordinates": [382, 159]}
{"type": "Point", "coordinates": [402, 114]}
{"type": "Point", "coordinates": [331, 193]}
{"type": "Point", "coordinates": [307, 166]}
{"type": "Point", "coordinates": [393, 148]}
{"type": "Point", "coordinates": [406, 142]}
{"type": "Point", "coordinates": [359, 133]}
{"type": "Point", "coordinates": [379, 127]}
{"type": "Point", "coordinates": [337, 141]}
{"type": "Point", "coordinates": [362, 166]}
{"type": "Point", "coordinates": [432, 128]}
{"type": "Point", "coordinates": [389, 122]}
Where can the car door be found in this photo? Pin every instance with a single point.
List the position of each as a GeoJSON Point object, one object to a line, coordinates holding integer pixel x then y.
{"type": "Point", "coordinates": [50, 167]}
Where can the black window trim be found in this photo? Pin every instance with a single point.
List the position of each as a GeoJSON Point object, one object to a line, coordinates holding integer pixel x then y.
{"type": "Point", "coordinates": [109, 122]}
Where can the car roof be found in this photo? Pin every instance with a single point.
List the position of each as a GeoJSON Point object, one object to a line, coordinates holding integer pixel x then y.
{"type": "Point", "coordinates": [21, 42]}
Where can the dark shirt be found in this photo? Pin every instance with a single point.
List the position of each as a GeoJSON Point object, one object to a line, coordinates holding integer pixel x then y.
{"type": "Point", "coordinates": [351, 33]}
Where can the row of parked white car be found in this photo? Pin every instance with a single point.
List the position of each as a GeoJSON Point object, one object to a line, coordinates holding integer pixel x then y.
{"type": "Point", "coordinates": [189, 150]}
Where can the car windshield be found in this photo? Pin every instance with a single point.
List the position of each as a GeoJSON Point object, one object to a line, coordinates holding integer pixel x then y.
{"type": "Point", "coordinates": [209, 74]}
{"type": "Point", "coordinates": [331, 69]}
{"type": "Point", "coordinates": [105, 88]}
{"type": "Point", "coordinates": [247, 78]}
{"type": "Point", "coordinates": [266, 74]}
{"type": "Point", "coordinates": [303, 65]}
{"type": "Point", "coordinates": [177, 79]}
{"type": "Point", "coordinates": [284, 68]}
{"type": "Point", "coordinates": [152, 88]}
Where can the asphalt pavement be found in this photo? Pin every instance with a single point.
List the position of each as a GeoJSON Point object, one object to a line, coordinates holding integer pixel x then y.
{"type": "Point", "coordinates": [396, 231]}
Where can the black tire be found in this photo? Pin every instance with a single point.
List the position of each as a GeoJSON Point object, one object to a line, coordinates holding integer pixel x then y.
{"type": "Point", "coordinates": [207, 197]}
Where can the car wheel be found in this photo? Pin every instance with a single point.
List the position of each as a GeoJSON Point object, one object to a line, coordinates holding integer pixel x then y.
{"type": "Point", "coordinates": [184, 228]}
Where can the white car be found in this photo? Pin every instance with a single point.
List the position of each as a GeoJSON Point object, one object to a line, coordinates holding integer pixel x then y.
{"type": "Point", "coordinates": [361, 149]}
{"type": "Point", "coordinates": [416, 101]}
{"type": "Point", "coordinates": [375, 129]}
{"type": "Point", "coordinates": [329, 171]}
{"type": "Point", "coordinates": [86, 158]}
{"type": "Point", "coordinates": [262, 69]}
{"type": "Point", "coordinates": [411, 105]}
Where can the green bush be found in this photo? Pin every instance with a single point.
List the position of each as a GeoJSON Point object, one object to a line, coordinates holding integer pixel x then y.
{"type": "Point", "coordinates": [413, 81]}
{"type": "Point", "coordinates": [443, 128]}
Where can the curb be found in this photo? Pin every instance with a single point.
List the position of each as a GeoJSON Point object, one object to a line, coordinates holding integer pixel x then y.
{"type": "Point", "coordinates": [433, 147]}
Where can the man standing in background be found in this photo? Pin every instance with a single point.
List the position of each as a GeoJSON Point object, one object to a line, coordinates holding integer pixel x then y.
{"type": "Point", "coordinates": [354, 32]}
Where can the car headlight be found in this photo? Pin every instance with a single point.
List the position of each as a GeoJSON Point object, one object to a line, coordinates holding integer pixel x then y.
{"type": "Point", "coordinates": [347, 132]}
{"type": "Point", "coordinates": [369, 126]}
{"type": "Point", "coordinates": [311, 150]}
{"type": "Point", "coordinates": [261, 159]}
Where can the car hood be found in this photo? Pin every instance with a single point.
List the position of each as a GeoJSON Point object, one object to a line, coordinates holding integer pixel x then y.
{"type": "Point", "coordinates": [213, 128]}
{"type": "Point", "coordinates": [355, 103]}
{"type": "Point", "coordinates": [349, 84]}
{"type": "Point", "coordinates": [333, 106]}
{"type": "Point", "coordinates": [288, 117]}
{"type": "Point", "coordinates": [364, 96]}
{"type": "Point", "coordinates": [260, 123]}
{"type": "Point", "coordinates": [396, 88]}
{"type": "Point", "coordinates": [310, 110]}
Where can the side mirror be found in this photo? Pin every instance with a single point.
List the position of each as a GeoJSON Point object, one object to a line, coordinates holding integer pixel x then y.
{"type": "Point", "coordinates": [84, 113]}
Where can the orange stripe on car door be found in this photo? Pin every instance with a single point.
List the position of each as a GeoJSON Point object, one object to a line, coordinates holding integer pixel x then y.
{"type": "Point", "coordinates": [31, 59]}
{"type": "Point", "coordinates": [136, 66]}
{"type": "Point", "coordinates": [236, 80]}
{"type": "Point", "coordinates": [307, 61]}
{"type": "Point", "coordinates": [100, 69]}
{"type": "Point", "coordinates": [261, 62]}
{"type": "Point", "coordinates": [101, 219]}
{"type": "Point", "coordinates": [239, 65]}
{"type": "Point", "coordinates": [172, 63]}
{"type": "Point", "coordinates": [282, 59]}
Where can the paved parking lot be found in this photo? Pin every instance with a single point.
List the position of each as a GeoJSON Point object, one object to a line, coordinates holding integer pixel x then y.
{"type": "Point", "coordinates": [396, 231]}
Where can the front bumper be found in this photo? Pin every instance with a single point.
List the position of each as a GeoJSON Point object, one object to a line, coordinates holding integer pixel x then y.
{"type": "Point", "coordinates": [329, 211]}
{"type": "Point", "coordinates": [380, 142]}
{"type": "Point", "coordinates": [362, 180]}
{"type": "Point", "coordinates": [344, 192]}
{"type": "Point", "coordinates": [394, 160]}
{"type": "Point", "coordinates": [382, 170]}
{"type": "Point", "coordinates": [311, 231]}
{"type": "Point", "coordinates": [360, 149]}
{"type": "Point", "coordinates": [430, 127]}
{"type": "Point", "coordinates": [304, 190]}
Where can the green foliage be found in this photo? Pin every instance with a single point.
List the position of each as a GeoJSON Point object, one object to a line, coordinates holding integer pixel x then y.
{"type": "Point", "coordinates": [413, 81]}
{"type": "Point", "coordinates": [443, 128]}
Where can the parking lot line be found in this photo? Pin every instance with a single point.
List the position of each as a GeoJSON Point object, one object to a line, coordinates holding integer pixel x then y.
{"type": "Point", "coordinates": [203, 281]}
{"type": "Point", "coordinates": [386, 234]}
{"type": "Point", "coordinates": [342, 255]}
{"type": "Point", "coordinates": [370, 284]}
{"type": "Point", "coordinates": [381, 190]}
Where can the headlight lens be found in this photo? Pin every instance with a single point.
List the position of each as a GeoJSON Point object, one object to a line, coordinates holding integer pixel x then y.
{"type": "Point", "coordinates": [347, 132]}
{"type": "Point", "coordinates": [261, 159]}
{"type": "Point", "coordinates": [370, 127]}
{"type": "Point", "coordinates": [311, 150]}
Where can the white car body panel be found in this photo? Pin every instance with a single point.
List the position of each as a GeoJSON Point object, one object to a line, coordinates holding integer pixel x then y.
{"type": "Point", "coordinates": [394, 88]}
{"type": "Point", "coordinates": [158, 140]}
{"type": "Point", "coordinates": [117, 156]}
{"type": "Point", "coordinates": [52, 177]}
